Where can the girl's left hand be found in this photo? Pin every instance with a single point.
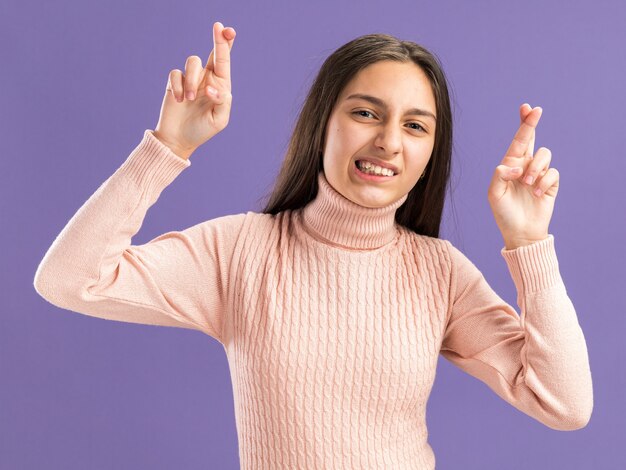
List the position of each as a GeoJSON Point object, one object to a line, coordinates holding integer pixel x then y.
{"type": "Point", "coordinates": [523, 215]}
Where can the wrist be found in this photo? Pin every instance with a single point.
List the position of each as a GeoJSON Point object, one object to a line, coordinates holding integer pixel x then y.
{"type": "Point", "coordinates": [176, 149]}
{"type": "Point", "coordinates": [513, 243]}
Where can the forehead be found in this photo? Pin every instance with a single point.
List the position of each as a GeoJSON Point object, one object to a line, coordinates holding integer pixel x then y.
{"type": "Point", "coordinates": [398, 83]}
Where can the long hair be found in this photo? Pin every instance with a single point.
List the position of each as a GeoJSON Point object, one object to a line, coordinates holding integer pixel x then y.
{"type": "Point", "coordinates": [296, 184]}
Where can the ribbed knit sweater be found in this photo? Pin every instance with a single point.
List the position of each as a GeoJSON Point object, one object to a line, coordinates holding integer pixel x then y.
{"type": "Point", "coordinates": [332, 316]}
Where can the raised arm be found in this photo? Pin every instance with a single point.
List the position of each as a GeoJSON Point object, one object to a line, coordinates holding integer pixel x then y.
{"type": "Point", "coordinates": [177, 279]}
{"type": "Point", "coordinates": [536, 361]}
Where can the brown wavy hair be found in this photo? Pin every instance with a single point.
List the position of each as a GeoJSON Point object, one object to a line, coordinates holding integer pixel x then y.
{"type": "Point", "coordinates": [296, 183]}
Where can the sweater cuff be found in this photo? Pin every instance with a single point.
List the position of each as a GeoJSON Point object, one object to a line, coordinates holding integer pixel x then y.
{"type": "Point", "coordinates": [533, 267]}
{"type": "Point", "coordinates": [152, 164]}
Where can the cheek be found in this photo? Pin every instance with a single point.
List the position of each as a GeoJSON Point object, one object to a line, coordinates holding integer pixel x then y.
{"type": "Point", "coordinates": [333, 136]}
{"type": "Point", "coordinates": [342, 141]}
{"type": "Point", "coordinates": [419, 152]}
{"type": "Point", "coordinates": [424, 150]}
{"type": "Point", "coordinates": [425, 146]}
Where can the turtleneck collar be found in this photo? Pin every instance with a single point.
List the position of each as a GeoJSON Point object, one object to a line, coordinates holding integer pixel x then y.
{"type": "Point", "coordinates": [342, 222]}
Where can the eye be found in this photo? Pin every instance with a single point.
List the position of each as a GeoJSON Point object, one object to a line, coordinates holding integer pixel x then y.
{"type": "Point", "coordinates": [362, 111]}
{"type": "Point", "coordinates": [419, 126]}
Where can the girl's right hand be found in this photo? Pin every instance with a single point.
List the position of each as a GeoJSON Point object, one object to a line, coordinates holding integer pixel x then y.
{"type": "Point", "coordinates": [187, 122]}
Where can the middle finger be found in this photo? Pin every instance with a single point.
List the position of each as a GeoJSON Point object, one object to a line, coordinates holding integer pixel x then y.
{"type": "Point", "coordinates": [524, 133]}
{"type": "Point", "coordinates": [221, 66]}
{"type": "Point", "coordinates": [231, 32]}
{"type": "Point", "coordinates": [524, 110]}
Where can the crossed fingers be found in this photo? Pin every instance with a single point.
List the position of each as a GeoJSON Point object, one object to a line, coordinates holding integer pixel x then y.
{"type": "Point", "coordinates": [218, 64]}
{"type": "Point", "coordinates": [520, 153]}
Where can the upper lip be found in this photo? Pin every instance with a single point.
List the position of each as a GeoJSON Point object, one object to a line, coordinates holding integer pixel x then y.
{"type": "Point", "coordinates": [378, 162]}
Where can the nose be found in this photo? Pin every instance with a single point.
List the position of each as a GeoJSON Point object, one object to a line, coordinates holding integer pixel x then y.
{"type": "Point", "coordinates": [390, 139]}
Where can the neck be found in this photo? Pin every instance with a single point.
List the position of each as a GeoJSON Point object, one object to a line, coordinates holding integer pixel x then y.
{"type": "Point", "coordinates": [344, 223]}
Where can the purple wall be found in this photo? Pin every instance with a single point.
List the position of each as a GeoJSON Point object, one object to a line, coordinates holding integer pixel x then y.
{"type": "Point", "coordinates": [81, 80]}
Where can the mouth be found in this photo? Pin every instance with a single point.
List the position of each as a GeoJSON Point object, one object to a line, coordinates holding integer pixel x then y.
{"type": "Point", "coordinates": [365, 171]}
{"type": "Point", "coordinates": [376, 166]}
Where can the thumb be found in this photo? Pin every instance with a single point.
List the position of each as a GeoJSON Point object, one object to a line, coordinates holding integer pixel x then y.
{"type": "Point", "coordinates": [501, 176]}
{"type": "Point", "coordinates": [221, 109]}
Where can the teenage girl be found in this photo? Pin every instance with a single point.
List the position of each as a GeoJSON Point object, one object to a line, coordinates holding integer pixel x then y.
{"type": "Point", "coordinates": [334, 303]}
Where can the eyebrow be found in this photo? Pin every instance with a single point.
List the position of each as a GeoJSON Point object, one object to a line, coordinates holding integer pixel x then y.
{"type": "Point", "coordinates": [382, 104]}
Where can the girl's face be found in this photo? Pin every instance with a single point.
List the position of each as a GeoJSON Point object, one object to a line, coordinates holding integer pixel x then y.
{"type": "Point", "coordinates": [392, 123]}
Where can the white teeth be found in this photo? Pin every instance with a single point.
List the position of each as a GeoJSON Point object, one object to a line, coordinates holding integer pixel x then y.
{"type": "Point", "coordinates": [370, 168]}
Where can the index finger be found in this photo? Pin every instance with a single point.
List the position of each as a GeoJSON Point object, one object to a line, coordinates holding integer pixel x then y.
{"type": "Point", "coordinates": [524, 134]}
{"type": "Point", "coordinates": [221, 58]}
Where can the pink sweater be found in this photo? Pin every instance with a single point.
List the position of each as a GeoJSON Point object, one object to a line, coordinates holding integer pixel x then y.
{"type": "Point", "coordinates": [332, 317]}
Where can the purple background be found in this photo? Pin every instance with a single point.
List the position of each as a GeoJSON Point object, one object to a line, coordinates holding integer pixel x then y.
{"type": "Point", "coordinates": [80, 82]}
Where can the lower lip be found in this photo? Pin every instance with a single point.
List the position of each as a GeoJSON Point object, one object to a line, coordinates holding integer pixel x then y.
{"type": "Point", "coordinates": [368, 177]}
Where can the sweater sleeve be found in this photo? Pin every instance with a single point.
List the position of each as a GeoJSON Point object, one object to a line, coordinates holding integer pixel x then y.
{"type": "Point", "coordinates": [537, 361]}
{"type": "Point", "coordinates": [178, 279]}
